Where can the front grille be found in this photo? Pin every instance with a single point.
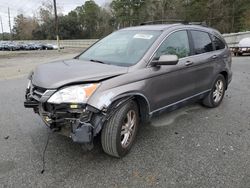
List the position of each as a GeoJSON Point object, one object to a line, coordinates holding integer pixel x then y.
{"type": "Point", "coordinates": [36, 92]}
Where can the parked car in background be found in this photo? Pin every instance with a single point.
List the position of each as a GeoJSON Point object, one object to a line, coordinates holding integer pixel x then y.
{"type": "Point", "coordinates": [242, 48]}
{"type": "Point", "coordinates": [1, 45]}
{"type": "Point", "coordinates": [10, 46]}
{"type": "Point", "coordinates": [55, 47]}
{"type": "Point", "coordinates": [32, 46]}
{"type": "Point", "coordinates": [52, 47]}
{"type": "Point", "coordinates": [13, 46]}
{"type": "Point", "coordinates": [47, 47]}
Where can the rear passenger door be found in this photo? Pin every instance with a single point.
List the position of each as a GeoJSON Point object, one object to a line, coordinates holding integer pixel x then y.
{"type": "Point", "coordinates": [203, 58]}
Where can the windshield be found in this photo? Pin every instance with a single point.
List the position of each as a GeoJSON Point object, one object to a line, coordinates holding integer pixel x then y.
{"type": "Point", "coordinates": [122, 48]}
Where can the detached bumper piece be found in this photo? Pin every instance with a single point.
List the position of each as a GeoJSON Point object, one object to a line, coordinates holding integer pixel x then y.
{"type": "Point", "coordinates": [82, 132]}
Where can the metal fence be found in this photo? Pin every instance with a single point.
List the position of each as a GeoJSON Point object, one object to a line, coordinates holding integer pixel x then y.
{"type": "Point", "coordinates": [78, 43]}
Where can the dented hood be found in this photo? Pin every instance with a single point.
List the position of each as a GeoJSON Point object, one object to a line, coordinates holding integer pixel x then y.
{"type": "Point", "coordinates": [57, 74]}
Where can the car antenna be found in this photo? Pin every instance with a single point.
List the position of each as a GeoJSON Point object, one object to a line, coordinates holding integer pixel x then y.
{"type": "Point", "coordinates": [44, 150]}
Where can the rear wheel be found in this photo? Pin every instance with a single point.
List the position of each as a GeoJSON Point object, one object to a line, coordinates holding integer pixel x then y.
{"type": "Point", "coordinates": [119, 132]}
{"type": "Point", "coordinates": [216, 95]}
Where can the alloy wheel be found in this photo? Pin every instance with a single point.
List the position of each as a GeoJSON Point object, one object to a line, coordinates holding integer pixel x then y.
{"type": "Point", "coordinates": [218, 91]}
{"type": "Point", "coordinates": [128, 128]}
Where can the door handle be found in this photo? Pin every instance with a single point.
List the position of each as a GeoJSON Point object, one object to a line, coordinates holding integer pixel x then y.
{"type": "Point", "coordinates": [214, 56]}
{"type": "Point", "coordinates": [188, 63]}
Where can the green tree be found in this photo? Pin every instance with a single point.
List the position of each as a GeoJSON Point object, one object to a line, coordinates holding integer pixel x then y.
{"type": "Point", "coordinates": [93, 21]}
{"type": "Point", "coordinates": [46, 28]}
{"type": "Point", "coordinates": [89, 18]}
{"type": "Point", "coordinates": [24, 26]}
{"type": "Point", "coordinates": [128, 12]}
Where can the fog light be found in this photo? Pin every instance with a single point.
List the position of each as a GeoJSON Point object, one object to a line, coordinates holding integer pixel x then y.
{"type": "Point", "coordinates": [73, 106]}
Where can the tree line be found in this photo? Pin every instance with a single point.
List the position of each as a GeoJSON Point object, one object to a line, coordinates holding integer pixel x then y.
{"type": "Point", "coordinates": [93, 21]}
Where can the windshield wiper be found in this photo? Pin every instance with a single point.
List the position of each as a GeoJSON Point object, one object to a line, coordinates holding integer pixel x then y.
{"type": "Point", "coordinates": [97, 61]}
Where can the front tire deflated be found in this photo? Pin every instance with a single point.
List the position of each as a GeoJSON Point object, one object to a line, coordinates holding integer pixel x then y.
{"type": "Point", "coordinates": [119, 132]}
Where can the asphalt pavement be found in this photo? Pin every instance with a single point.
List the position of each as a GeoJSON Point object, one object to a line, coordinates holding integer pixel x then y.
{"type": "Point", "coordinates": [190, 147]}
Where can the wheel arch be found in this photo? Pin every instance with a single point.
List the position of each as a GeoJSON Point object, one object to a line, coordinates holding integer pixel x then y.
{"type": "Point", "coordinates": [140, 99]}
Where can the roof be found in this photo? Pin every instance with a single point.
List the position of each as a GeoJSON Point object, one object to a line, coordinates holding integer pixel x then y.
{"type": "Point", "coordinates": [162, 27]}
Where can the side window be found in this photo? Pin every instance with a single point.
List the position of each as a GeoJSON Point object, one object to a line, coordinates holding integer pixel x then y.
{"type": "Point", "coordinates": [176, 44]}
{"type": "Point", "coordinates": [202, 42]}
{"type": "Point", "coordinates": [219, 45]}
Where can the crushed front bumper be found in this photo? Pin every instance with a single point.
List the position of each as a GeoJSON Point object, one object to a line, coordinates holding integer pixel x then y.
{"type": "Point", "coordinates": [80, 122]}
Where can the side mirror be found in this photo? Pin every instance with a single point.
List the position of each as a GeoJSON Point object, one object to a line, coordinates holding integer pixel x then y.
{"type": "Point", "coordinates": [166, 60]}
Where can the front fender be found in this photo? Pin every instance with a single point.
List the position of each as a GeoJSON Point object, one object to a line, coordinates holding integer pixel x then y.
{"type": "Point", "coordinates": [103, 99]}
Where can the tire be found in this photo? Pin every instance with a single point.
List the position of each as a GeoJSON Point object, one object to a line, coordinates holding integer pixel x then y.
{"type": "Point", "coordinates": [116, 130]}
{"type": "Point", "coordinates": [213, 100]}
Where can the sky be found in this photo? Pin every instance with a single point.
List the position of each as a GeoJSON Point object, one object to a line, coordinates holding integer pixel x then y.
{"type": "Point", "coordinates": [29, 8]}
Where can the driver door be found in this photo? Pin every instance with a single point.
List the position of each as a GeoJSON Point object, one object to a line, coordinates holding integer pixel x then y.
{"type": "Point", "coordinates": [172, 84]}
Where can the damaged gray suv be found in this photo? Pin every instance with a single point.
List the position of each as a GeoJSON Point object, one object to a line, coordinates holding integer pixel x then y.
{"type": "Point", "coordinates": [115, 86]}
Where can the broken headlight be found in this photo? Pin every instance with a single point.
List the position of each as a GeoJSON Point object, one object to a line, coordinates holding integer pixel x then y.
{"type": "Point", "coordinates": [73, 94]}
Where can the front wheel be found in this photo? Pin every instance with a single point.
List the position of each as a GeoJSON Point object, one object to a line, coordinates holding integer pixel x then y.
{"type": "Point", "coordinates": [216, 95]}
{"type": "Point", "coordinates": [119, 132]}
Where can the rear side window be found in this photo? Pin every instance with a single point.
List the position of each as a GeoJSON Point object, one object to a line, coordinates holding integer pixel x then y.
{"type": "Point", "coordinates": [202, 42]}
{"type": "Point", "coordinates": [176, 44]}
{"type": "Point", "coordinates": [218, 44]}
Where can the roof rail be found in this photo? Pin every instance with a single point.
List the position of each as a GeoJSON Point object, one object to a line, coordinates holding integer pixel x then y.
{"type": "Point", "coordinates": [172, 21]}
{"type": "Point", "coordinates": [204, 23]}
